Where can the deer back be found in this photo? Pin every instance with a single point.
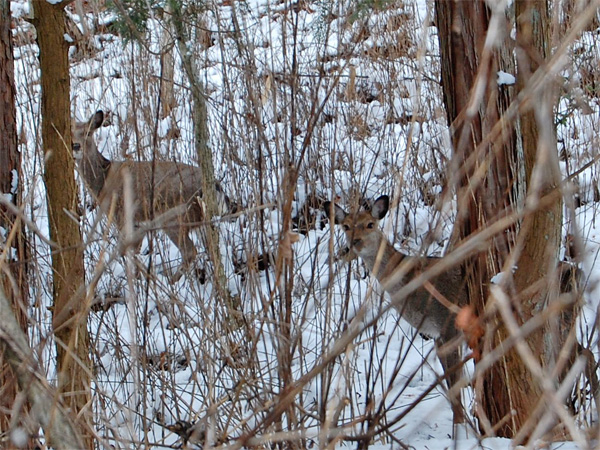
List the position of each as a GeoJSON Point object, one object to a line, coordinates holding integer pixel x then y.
{"type": "Point", "coordinates": [158, 186]}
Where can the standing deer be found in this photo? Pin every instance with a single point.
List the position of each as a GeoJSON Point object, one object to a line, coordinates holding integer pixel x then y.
{"type": "Point", "coordinates": [420, 309]}
{"type": "Point", "coordinates": [161, 189]}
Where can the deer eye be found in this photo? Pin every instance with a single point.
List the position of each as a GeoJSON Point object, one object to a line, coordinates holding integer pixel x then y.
{"type": "Point", "coordinates": [346, 227]}
{"type": "Point", "coordinates": [371, 225]}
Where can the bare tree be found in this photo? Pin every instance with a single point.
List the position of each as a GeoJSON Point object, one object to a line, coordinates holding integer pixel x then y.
{"type": "Point", "coordinates": [13, 279]}
{"type": "Point", "coordinates": [538, 242]}
{"type": "Point", "coordinates": [201, 142]}
{"type": "Point", "coordinates": [492, 186]}
{"type": "Point", "coordinates": [466, 63]}
{"type": "Point", "coordinates": [70, 312]}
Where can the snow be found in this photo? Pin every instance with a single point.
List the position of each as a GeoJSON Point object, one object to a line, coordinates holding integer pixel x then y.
{"type": "Point", "coordinates": [197, 362]}
{"type": "Point", "coordinates": [7, 197]}
{"type": "Point", "coordinates": [14, 182]}
{"type": "Point", "coordinates": [19, 9]}
{"type": "Point", "coordinates": [506, 79]}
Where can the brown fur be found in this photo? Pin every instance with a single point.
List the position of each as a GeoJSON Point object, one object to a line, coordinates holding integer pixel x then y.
{"type": "Point", "coordinates": [163, 190]}
{"type": "Point", "coordinates": [424, 312]}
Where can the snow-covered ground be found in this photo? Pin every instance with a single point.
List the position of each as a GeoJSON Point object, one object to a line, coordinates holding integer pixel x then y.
{"type": "Point", "coordinates": [352, 97]}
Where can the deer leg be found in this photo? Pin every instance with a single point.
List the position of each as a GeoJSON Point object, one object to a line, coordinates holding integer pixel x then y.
{"type": "Point", "coordinates": [126, 244]}
{"type": "Point", "coordinates": [181, 239]}
{"type": "Point", "coordinates": [452, 367]}
{"type": "Point", "coordinates": [137, 244]}
{"type": "Point", "coordinates": [590, 372]}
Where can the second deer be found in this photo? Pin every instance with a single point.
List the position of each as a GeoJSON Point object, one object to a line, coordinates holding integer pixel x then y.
{"type": "Point", "coordinates": [160, 189]}
{"type": "Point", "coordinates": [420, 309]}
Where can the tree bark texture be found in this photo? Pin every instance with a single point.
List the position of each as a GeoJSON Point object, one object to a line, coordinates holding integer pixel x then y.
{"type": "Point", "coordinates": [483, 170]}
{"type": "Point", "coordinates": [489, 187]}
{"type": "Point", "coordinates": [540, 233]}
{"type": "Point", "coordinates": [70, 312]}
{"type": "Point", "coordinates": [12, 262]}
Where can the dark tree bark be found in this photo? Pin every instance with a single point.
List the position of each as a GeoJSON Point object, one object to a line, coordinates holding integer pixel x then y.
{"type": "Point", "coordinates": [70, 312]}
{"type": "Point", "coordinates": [509, 394]}
{"type": "Point", "coordinates": [489, 184]}
{"type": "Point", "coordinates": [483, 169]}
{"type": "Point", "coordinates": [13, 277]}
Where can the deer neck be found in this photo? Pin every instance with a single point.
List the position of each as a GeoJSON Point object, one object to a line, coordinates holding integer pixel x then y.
{"type": "Point", "coordinates": [384, 261]}
{"type": "Point", "coordinates": [95, 169]}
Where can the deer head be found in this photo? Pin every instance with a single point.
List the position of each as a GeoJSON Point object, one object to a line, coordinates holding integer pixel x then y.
{"type": "Point", "coordinates": [83, 135]}
{"type": "Point", "coordinates": [362, 228]}
{"type": "Point", "coordinates": [93, 166]}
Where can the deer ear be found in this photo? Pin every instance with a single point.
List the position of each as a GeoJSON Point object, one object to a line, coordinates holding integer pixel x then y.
{"type": "Point", "coordinates": [97, 120]}
{"type": "Point", "coordinates": [380, 207]}
{"type": "Point", "coordinates": [338, 213]}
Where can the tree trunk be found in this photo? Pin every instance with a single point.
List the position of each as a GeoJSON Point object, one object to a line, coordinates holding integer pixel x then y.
{"type": "Point", "coordinates": [488, 183]}
{"type": "Point", "coordinates": [167, 71]}
{"type": "Point", "coordinates": [70, 312]}
{"type": "Point", "coordinates": [13, 278]}
{"type": "Point", "coordinates": [466, 65]}
{"type": "Point", "coordinates": [540, 232]}
{"type": "Point", "coordinates": [205, 160]}
{"type": "Point", "coordinates": [462, 27]}
{"type": "Point", "coordinates": [507, 393]}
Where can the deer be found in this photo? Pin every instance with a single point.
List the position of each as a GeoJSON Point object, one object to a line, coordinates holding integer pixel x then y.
{"type": "Point", "coordinates": [166, 191]}
{"type": "Point", "coordinates": [422, 309]}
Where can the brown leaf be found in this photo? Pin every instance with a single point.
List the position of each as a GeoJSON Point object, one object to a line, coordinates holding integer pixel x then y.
{"type": "Point", "coordinates": [468, 322]}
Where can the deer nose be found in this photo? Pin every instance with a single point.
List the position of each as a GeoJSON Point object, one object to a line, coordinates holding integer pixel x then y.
{"type": "Point", "coordinates": [77, 153]}
{"type": "Point", "coordinates": [355, 242]}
